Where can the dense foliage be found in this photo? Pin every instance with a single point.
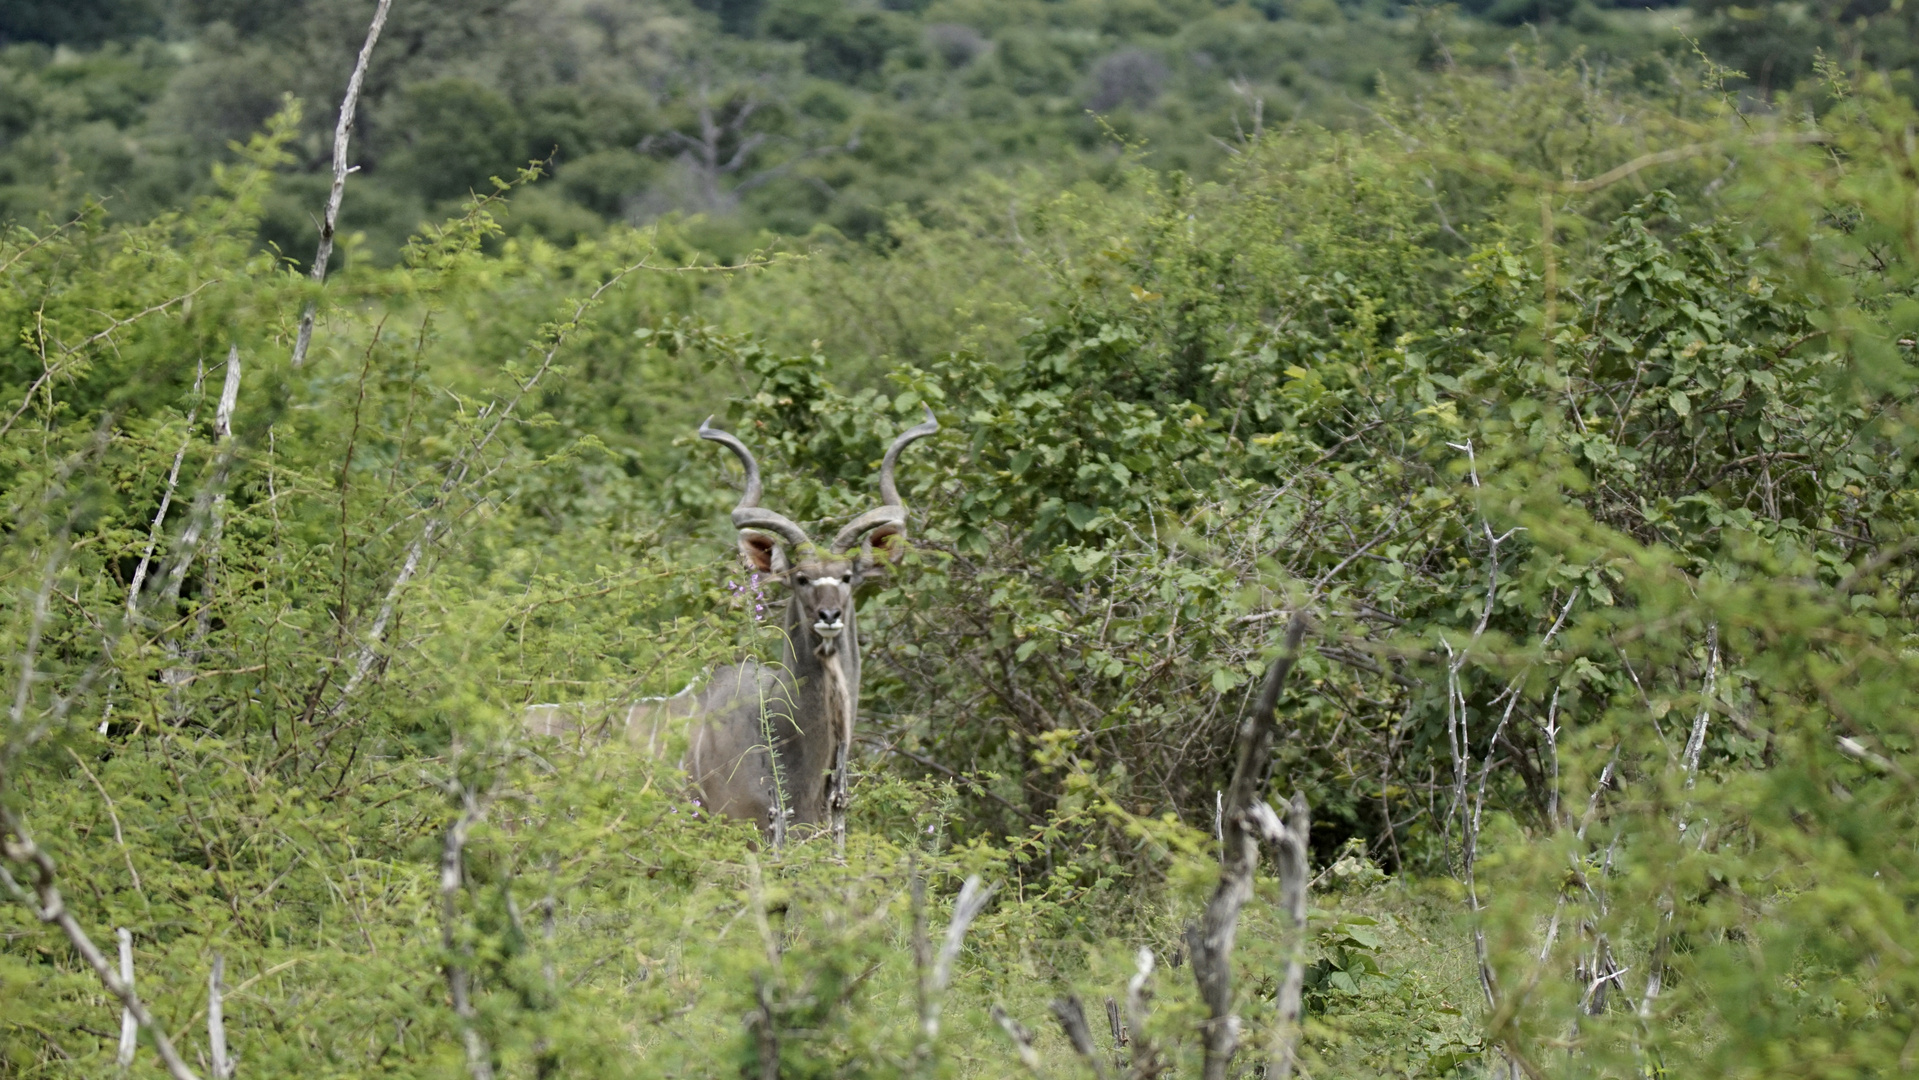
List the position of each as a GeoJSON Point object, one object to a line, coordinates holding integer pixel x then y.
{"type": "Point", "coordinates": [1577, 415]}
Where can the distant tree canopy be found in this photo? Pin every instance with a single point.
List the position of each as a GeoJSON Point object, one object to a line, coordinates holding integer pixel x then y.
{"type": "Point", "coordinates": [80, 22]}
{"type": "Point", "coordinates": [843, 112]}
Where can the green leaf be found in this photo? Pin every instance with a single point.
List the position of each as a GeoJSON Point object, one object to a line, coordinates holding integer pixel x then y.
{"type": "Point", "coordinates": [1081, 515]}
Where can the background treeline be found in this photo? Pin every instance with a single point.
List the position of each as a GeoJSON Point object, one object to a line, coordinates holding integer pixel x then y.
{"type": "Point", "coordinates": [1574, 405]}
{"type": "Point", "coordinates": [771, 114]}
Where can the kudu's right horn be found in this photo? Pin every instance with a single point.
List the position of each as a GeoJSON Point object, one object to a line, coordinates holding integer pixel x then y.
{"type": "Point", "coordinates": [890, 511]}
{"type": "Point", "coordinates": [749, 514]}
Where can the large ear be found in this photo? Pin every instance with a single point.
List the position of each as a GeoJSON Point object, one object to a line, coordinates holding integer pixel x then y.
{"type": "Point", "coordinates": [763, 553]}
{"type": "Point", "coordinates": [885, 545]}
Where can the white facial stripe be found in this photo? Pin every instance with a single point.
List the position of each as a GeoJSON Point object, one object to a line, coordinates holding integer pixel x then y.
{"type": "Point", "coordinates": [826, 581]}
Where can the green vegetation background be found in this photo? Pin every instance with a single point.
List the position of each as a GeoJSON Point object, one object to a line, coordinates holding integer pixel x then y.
{"type": "Point", "coordinates": [1568, 385]}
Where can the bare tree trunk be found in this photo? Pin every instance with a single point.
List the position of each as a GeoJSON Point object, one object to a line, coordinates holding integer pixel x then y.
{"type": "Point", "coordinates": [1211, 939]}
{"type": "Point", "coordinates": [349, 106]}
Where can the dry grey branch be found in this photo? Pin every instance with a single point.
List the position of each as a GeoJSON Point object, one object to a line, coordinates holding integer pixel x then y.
{"type": "Point", "coordinates": [1210, 940]}
{"type": "Point", "coordinates": [129, 1025]}
{"type": "Point", "coordinates": [479, 1060]}
{"type": "Point", "coordinates": [217, 1019]}
{"type": "Point", "coordinates": [456, 473]}
{"type": "Point", "coordinates": [1146, 1062]}
{"type": "Point", "coordinates": [1291, 841]}
{"type": "Point", "coordinates": [972, 900]}
{"type": "Point", "coordinates": [166, 499]}
{"type": "Point", "coordinates": [204, 525]}
{"type": "Point", "coordinates": [349, 105]}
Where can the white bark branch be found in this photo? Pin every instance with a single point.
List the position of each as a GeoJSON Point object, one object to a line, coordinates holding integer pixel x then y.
{"type": "Point", "coordinates": [1290, 839]}
{"type": "Point", "coordinates": [1022, 1039]}
{"type": "Point", "coordinates": [129, 1026]}
{"type": "Point", "coordinates": [217, 1020]}
{"type": "Point", "coordinates": [349, 105]}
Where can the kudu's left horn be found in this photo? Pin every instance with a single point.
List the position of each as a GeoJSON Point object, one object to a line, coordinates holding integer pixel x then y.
{"type": "Point", "coordinates": [890, 511]}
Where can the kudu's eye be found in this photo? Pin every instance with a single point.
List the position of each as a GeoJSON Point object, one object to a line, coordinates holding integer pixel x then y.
{"type": "Point", "coordinates": [799, 579]}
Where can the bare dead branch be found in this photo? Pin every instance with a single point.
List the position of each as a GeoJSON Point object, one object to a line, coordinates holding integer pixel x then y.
{"type": "Point", "coordinates": [1210, 940]}
{"type": "Point", "coordinates": [166, 498]}
{"type": "Point", "coordinates": [349, 106]}
{"type": "Point", "coordinates": [1146, 1060]}
{"type": "Point", "coordinates": [1290, 840]}
{"type": "Point", "coordinates": [972, 900]}
{"type": "Point", "coordinates": [129, 1025]}
{"type": "Point", "coordinates": [456, 473]}
{"type": "Point", "coordinates": [217, 1020]}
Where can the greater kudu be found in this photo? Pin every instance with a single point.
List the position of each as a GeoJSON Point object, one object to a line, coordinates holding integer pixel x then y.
{"type": "Point", "coordinates": [770, 741]}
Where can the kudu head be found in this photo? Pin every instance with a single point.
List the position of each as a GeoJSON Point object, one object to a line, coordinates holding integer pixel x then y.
{"type": "Point", "coordinates": [821, 580]}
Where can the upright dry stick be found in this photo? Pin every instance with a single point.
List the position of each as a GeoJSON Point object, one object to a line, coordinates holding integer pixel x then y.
{"type": "Point", "coordinates": [456, 473]}
{"type": "Point", "coordinates": [1459, 741]}
{"type": "Point", "coordinates": [203, 526]}
{"type": "Point", "coordinates": [1290, 839]}
{"type": "Point", "coordinates": [129, 1027]}
{"type": "Point", "coordinates": [217, 1019]}
{"type": "Point", "coordinates": [1146, 1062]}
{"type": "Point", "coordinates": [972, 900]}
{"type": "Point", "coordinates": [479, 1058]}
{"type": "Point", "coordinates": [1695, 746]}
{"type": "Point", "coordinates": [1022, 1039]}
{"type": "Point", "coordinates": [1210, 940]}
{"type": "Point", "coordinates": [349, 105]}
{"type": "Point", "coordinates": [763, 1021]}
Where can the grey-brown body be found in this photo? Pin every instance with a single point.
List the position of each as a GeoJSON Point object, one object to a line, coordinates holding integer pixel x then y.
{"type": "Point", "coordinates": [758, 721]}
